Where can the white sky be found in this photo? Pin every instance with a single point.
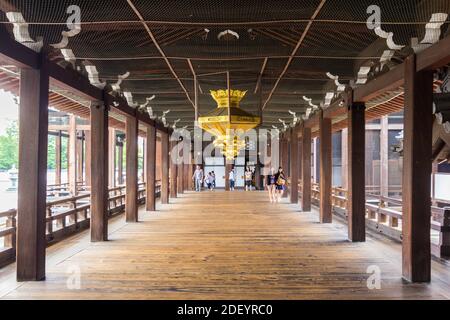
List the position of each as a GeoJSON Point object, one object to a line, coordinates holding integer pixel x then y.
{"type": "Point", "coordinates": [9, 110]}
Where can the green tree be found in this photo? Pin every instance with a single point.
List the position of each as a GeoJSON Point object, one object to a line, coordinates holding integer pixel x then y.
{"type": "Point", "coordinates": [9, 147]}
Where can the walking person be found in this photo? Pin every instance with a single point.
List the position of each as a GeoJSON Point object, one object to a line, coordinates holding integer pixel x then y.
{"type": "Point", "coordinates": [213, 177]}
{"type": "Point", "coordinates": [271, 185]}
{"type": "Point", "coordinates": [232, 178]}
{"type": "Point", "coordinates": [248, 176]}
{"type": "Point", "coordinates": [280, 184]}
{"type": "Point", "coordinates": [209, 181]}
{"type": "Point", "coordinates": [198, 178]}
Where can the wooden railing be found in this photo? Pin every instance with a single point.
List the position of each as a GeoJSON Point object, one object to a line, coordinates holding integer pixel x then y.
{"type": "Point", "coordinates": [384, 215]}
{"type": "Point", "coordinates": [65, 216]}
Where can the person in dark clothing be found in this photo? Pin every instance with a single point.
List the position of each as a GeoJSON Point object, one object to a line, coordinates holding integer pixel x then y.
{"type": "Point", "coordinates": [280, 184]}
{"type": "Point", "coordinates": [271, 185]}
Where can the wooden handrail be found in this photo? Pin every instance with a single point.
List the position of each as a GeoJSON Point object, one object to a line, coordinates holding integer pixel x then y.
{"type": "Point", "coordinates": [65, 216]}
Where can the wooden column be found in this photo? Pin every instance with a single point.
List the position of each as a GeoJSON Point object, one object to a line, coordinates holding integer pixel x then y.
{"type": "Point", "coordinates": [58, 158]}
{"type": "Point", "coordinates": [112, 157]}
{"type": "Point", "coordinates": [173, 168]}
{"type": "Point", "coordinates": [326, 169]}
{"type": "Point", "coordinates": [384, 156]}
{"type": "Point", "coordinates": [164, 168]}
{"type": "Point", "coordinates": [344, 158]}
{"type": "Point", "coordinates": [33, 142]}
{"type": "Point", "coordinates": [131, 198]}
{"type": "Point", "coordinates": [294, 166]}
{"type": "Point", "coordinates": [73, 155]}
{"type": "Point", "coordinates": [189, 168]}
{"type": "Point", "coordinates": [79, 156]}
{"type": "Point", "coordinates": [285, 160]}
{"type": "Point", "coordinates": [120, 164]}
{"type": "Point", "coordinates": [306, 169]}
{"type": "Point", "coordinates": [88, 157]}
{"type": "Point", "coordinates": [416, 173]}
{"type": "Point", "coordinates": [99, 172]}
{"type": "Point", "coordinates": [228, 168]}
{"type": "Point", "coordinates": [150, 203]}
{"type": "Point", "coordinates": [181, 174]}
{"type": "Point", "coordinates": [356, 195]}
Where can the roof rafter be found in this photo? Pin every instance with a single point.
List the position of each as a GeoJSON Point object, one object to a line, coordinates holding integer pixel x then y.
{"type": "Point", "coordinates": [291, 57]}
{"type": "Point", "coordinates": [141, 18]}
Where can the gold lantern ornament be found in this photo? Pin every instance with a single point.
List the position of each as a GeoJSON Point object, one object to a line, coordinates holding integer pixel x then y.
{"type": "Point", "coordinates": [228, 122]}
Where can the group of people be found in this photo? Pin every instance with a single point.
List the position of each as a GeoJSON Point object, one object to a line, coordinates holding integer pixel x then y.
{"type": "Point", "coordinates": [276, 181]}
{"type": "Point", "coordinates": [210, 179]}
{"type": "Point", "coordinates": [200, 178]}
{"type": "Point", "coordinates": [276, 184]}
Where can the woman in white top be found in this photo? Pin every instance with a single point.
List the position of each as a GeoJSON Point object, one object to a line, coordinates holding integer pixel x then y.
{"type": "Point", "coordinates": [231, 177]}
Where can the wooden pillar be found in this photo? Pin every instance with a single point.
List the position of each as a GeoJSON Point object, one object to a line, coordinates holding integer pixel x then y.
{"type": "Point", "coordinates": [112, 157]}
{"type": "Point", "coordinates": [228, 168]}
{"type": "Point", "coordinates": [164, 168]}
{"type": "Point", "coordinates": [189, 168]}
{"type": "Point", "coordinates": [131, 198]}
{"type": "Point", "coordinates": [306, 169]}
{"type": "Point", "coordinates": [99, 172]}
{"type": "Point", "coordinates": [417, 157]}
{"type": "Point", "coordinates": [173, 168]}
{"type": "Point", "coordinates": [344, 158]}
{"type": "Point", "coordinates": [73, 155]}
{"type": "Point", "coordinates": [326, 169]}
{"type": "Point", "coordinates": [181, 174]}
{"type": "Point", "coordinates": [120, 164]}
{"type": "Point", "coordinates": [356, 195]}
{"type": "Point", "coordinates": [150, 203]}
{"type": "Point", "coordinates": [58, 158]}
{"type": "Point", "coordinates": [88, 158]}
{"type": "Point", "coordinates": [79, 160]}
{"type": "Point", "coordinates": [33, 142]}
{"type": "Point", "coordinates": [294, 166]}
{"type": "Point", "coordinates": [384, 156]}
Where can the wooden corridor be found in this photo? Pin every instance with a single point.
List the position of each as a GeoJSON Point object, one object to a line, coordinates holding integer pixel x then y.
{"type": "Point", "coordinates": [224, 245]}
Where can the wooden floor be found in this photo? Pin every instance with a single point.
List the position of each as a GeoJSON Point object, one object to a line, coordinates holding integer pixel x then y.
{"type": "Point", "coordinates": [224, 245]}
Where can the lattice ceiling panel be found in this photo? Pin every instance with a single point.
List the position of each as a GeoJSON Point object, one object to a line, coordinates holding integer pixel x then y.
{"type": "Point", "coordinates": [114, 39]}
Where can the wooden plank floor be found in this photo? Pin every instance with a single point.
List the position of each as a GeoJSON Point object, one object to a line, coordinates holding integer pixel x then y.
{"type": "Point", "coordinates": [224, 245]}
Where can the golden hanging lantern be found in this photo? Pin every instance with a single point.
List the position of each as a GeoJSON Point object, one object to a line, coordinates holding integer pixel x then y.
{"type": "Point", "coordinates": [228, 122]}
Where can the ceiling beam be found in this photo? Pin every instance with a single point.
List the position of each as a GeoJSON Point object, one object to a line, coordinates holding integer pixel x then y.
{"type": "Point", "coordinates": [258, 82]}
{"type": "Point", "coordinates": [291, 57]}
{"type": "Point", "coordinates": [152, 37]}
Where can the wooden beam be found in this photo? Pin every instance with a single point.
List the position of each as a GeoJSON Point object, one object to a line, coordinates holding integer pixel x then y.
{"type": "Point", "coordinates": [416, 173]}
{"type": "Point", "coordinates": [131, 199]}
{"type": "Point", "coordinates": [99, 172]}
{"type": "Point", "coordinates": [435, 56]}
{"type": "Point", "coordinates": [293, 188]}
{"type": "Point", "coordinates": [294, 51]}
{"type": "Point", "coordinates": [164, 168]}
{"type": "Point", "coordinates": [326, 169]}
{"type": "Point", "coordinates": [150, 150]}
{"type": "Point", "coordinates": [173, 168]}
{"type": "Point", "coordinates": [356, 194]}
{"type": "Point", "coordinates": [31, 210]}
{"type": "Point", "coordinates": [306, 169]}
